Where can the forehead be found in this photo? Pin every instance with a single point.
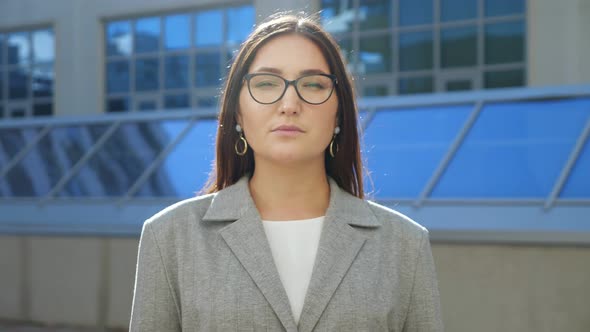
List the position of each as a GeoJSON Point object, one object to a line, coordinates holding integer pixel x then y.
{"type": "Point", "coordinates": [290, 54]}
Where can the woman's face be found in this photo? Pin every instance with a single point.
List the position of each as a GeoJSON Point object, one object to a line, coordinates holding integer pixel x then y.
{"type": "Point", "coordinates": [290, 130]}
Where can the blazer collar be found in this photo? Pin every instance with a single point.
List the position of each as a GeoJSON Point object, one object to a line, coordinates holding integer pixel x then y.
{"type": "Point", "coordinates": [338, 247]}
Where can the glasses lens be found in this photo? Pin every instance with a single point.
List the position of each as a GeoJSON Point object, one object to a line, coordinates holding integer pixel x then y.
{"type": "Point", "coordinates": [315, 89]}
{"type": "Point", "coordinates": [266, 88]}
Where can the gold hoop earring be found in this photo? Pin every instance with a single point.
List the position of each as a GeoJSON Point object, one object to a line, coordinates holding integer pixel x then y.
{"type": "Point", "coordinates": [243, 152]}
{"type": "Point", "coordinates": [332, 146]}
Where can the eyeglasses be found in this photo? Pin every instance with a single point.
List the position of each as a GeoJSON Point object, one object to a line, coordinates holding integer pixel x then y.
{"type": "Point", "coordinates": [313, 89]}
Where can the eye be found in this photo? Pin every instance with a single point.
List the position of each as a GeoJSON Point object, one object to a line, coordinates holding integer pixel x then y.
{"type": "Point", "coordinates": [314, 85]}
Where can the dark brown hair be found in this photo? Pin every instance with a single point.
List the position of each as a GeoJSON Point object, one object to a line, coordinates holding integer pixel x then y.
{"type": "Point", "coordinates": [345, 168]}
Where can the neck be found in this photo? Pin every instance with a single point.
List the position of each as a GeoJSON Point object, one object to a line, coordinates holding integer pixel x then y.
{"type": "Point", "coordinates": [289, 192]}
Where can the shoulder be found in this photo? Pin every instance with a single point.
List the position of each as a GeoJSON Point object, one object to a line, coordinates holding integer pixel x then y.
{"type": "Point", "coordinates": [179, 216]}
{"type": "Point", "coordinates": [397, 223]}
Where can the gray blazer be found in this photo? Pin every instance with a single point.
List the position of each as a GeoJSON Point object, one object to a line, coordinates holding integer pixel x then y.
{"type": "Point", "coordinates": [205, 265]}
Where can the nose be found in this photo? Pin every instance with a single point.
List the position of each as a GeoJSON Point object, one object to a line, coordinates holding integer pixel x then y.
{"type": "Point", "coordinates": [290, 103]}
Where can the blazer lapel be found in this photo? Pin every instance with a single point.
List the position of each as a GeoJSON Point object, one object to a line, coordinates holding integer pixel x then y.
{"type": "Point", "coordinates": [248, 242]}
{"type": "Point", "coordinates": [339, 245]}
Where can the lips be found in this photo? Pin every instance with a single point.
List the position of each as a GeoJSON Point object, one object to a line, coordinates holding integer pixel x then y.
{"type": "Point", "coordinates": [288, 128]}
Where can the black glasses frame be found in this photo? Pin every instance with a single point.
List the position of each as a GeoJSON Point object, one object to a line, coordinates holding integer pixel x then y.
{"type": "Point", "coordinates": [248, 77]}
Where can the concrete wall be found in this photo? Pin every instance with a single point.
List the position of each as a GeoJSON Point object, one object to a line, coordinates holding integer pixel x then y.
{"type": "Point", "coordinates": [558, 45]}
{"type": "Point", "coordinates": [89, 281]}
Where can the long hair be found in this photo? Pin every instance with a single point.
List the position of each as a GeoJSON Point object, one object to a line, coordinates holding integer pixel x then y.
{"type": "Point", "coordinates": [346, 167]}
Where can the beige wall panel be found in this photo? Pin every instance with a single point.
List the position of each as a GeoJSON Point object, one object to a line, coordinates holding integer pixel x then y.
{"type": "Point", "coordinates": [513, 288]}
{"type": "Point", "coordinates": [11, 277]}
{"type": "Point", "coordinates": [123, 259]}
{"type": "Point", "coordinates": [65, 274]}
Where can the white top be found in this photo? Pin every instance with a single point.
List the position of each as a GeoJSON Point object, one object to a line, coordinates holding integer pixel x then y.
{"type": "Point", "coordinates": [294, 245]}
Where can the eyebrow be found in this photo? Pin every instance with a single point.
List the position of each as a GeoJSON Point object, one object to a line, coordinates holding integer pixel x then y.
{"type": "Point", "coordinates": [278, 71]}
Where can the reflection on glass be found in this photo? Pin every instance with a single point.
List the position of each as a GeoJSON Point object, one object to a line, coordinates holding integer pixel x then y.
{"type": "Point", "coordinates": [504, 42]}
{"type": "Point", "coordinates": [415, 50]}
{"type": "Point", "coordinates": [503, 7]}
{"type": "Point", "coordinates": [415, 12]}
{"type": "Point", "coordinates": [578, 183]}
{"type": "Point", "coordinates": [119, 38]}
{"type": "Point", "coordinates": [404, 147]}
{"type": "Point", "coordinates": [43, 46]}
{"type": "Point", "coordinates": [118, 76]}
{"type": "Point", "coordinates": [375, 54]}
{"type": "Point", "coordinates": [240, 21]}
{"type": "Point", "coordinates": [42, 109]}
{"type": "Point", "coordinates": [176, 72]}
{"type": "Point", "coordinates": [504, 78]}
{"type": "Point", "coordinates": [117, 104]}
{"type": "Point", "coordinates": [456, 10]}
{"type": "Point", "coordinates": [375, 14]}
{"type": "Point", "coordinates": [338, 16]}
{"type": "Point", "coordinates": [18, 82]}
{"type": "Point", "coordinates": [147, 35]}
{"type": "Point", "coordinates": [515, 150]}
{"type": "Point", "coordinates": [207, 69]}
{"type": "Point", "coordinates": [186, 169]}
{"type": "Point", "coordinates": [176, 101]}
{"type": "Point", "coordinates": [177, 32]}
{"type": "Point", "coordinates": [458, 85]}
{"type": "Point", "coordinates": [121, 160]}
{"type": "Point", "coordinates": [18, 48]}
{"type": "Point", "coordinates": [147, 74]}
{"type": "Point", "coordinates": [413, 85]}
{"type": "Point", "coordinates": [13, 140]}
{"type": "Point", "coordinates": [209, 28]}
{"type": "Point", "coordinates": [42, 167]}
{"type": "Point", "coordinates": [42, 81]}
{"type": "Point", "coordinates": [375, 91]}
{"type": "Point", "coordinates": [458, 47]}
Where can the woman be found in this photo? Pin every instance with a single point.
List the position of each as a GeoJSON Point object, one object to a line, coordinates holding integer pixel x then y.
{"type": "Point", "coordinates": [284, 241]}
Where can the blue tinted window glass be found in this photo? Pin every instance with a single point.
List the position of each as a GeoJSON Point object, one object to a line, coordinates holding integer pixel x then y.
{"type": "Point", "coordinates": [42, 167]}
{"type": "Point", "coordinates": [117, 104]}
{"type": "Point", "coordinates": [240, 21]}
{"type": "Point", "coordinates": [207, 69]}
{"type": "Point", "coordinates": [503, 78]}
{"type": "Point", "coordinates": [117, 76]}
{"type": "Point", "coordinates": [337, 15]}
{"type": "Point", "coordinates": [415, 50]}
{"type": "Point", "coordinates": [458, 47]}
{"type": "Point", "coordinates": [209, 28]}
{"type": "Point", "coordinates": [404, 147]}
{"type": "Point", "coordinates": [375, 54]}
{"type": "Point", "coordinates": [411, 85]}
{"type": "Point", "coordinates": [43, 46]}
{"type": "Point", "coordinates": [375, 14]}
{"type": "Point", "coordinates": [121, 160]}
{"type": "Point", "coordinates": [18, 48]}
{"type": "Point", "coordinates": [504, 7]}
{"type": "Point", "coordinates": [578, 183]}
{"type": "Point", "coordinates": [146, 105]}
{"type": "Point", "coordinates": [455, 10]}
{"type": "Point", "coordinates": [147, 35]}
{"type": "Point", "coordinates": [178, 32]}
{"type": "Point", "coordinates": [147, 76]}
{"type": "Point", "coordinates": [18, 82]}
{"type": "Point", "coordinates": [119, 38]}
{"type": "Point", "coordinates": [1, 87]}
{"type": "Point", "coordinates": [514, 150]}
{"type": "Point", "coordinates": [42, 109]}
{"type": "Point", "coordinates": [186, 169]}
{"type": "Point", "coordinates": [2, 43]}
{"type": "Point", "coordinates": [176, 101]}
{"type": "Point", "coordinates": [176, 72]}
{"type": "Point", "coordinates": [504, 42]}
{"type": "Point", "coordinates": [415, 12]}
{"type": "Point", "coordinates": [42, 81]}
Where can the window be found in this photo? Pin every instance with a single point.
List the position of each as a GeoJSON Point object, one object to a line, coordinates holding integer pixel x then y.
{"type": "Point", "coordinates": [422, 46]}
{"type": "Point", "coordinates": [26, 73]}
{"type": "Point", "coordinates": [171, 61]}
